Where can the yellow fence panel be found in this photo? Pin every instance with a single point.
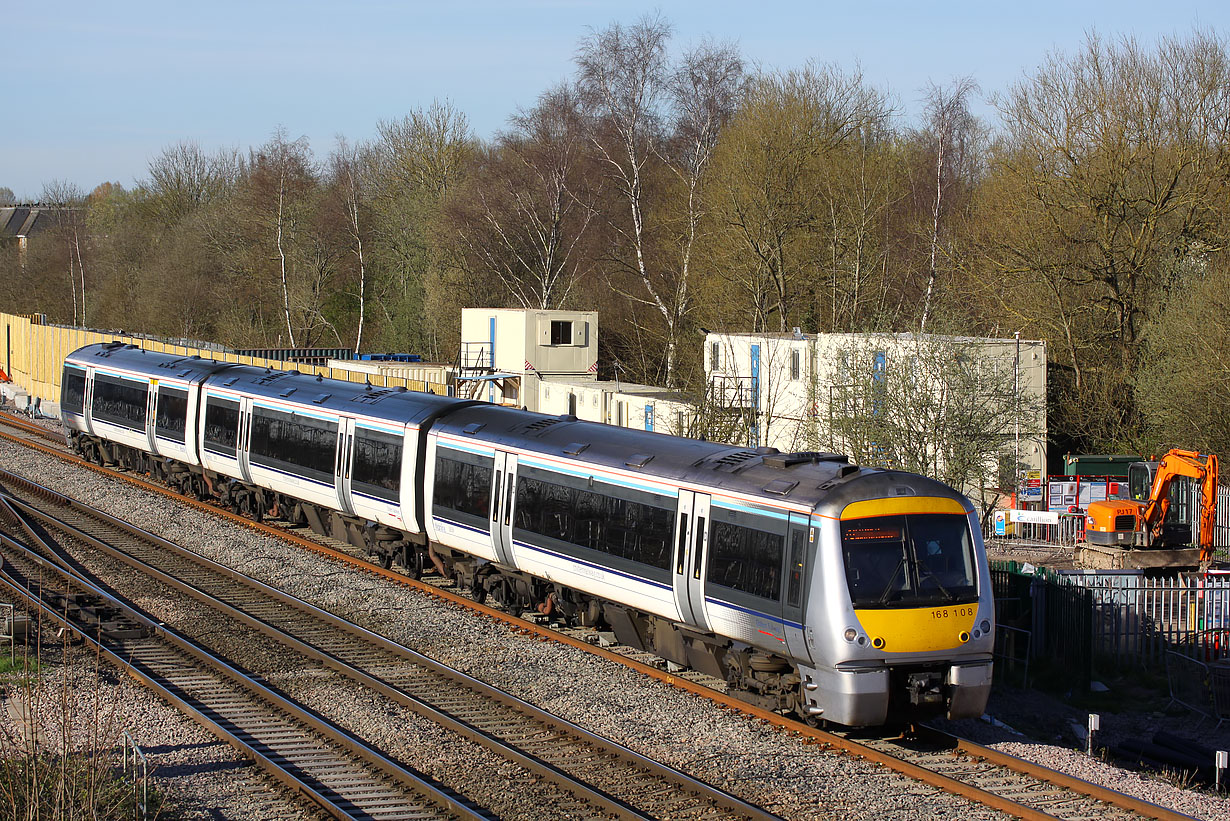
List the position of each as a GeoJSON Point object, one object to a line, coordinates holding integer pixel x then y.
{"type": "Point", "coordinates": [33, 357]}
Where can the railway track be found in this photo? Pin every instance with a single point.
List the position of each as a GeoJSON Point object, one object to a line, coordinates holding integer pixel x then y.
{"type": "Point", "coordinates": [607, 778]}
{"type": "Point", "coordinates": [1003, 782]}
{"type": "Point", "coordinates": [305, 752]}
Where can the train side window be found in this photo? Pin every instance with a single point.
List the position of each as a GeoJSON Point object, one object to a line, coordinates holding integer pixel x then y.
{"type": "Point", "coordinates": [295, 443]}
{"type": "Point", "coordinates": [377, 464]}
{"type": "Point", "coordinates": [221, 426]}
{"type": "Point", "coordinates": [462, 489]}
{"type": "Point", "coordinates": [746, 559]}
{"type": "Point", "coordinates": [683, 542]}
{"type": "Point", "coordinates": [171, 414]}
{"type": "Point", "coordinates": [603, 518]}
{"type": "Point", "coordinates": [72, 390]}
{"type": "Point", "coordinates": [798, 554]}
{"type": "Point", "coordinates": [120, 401]}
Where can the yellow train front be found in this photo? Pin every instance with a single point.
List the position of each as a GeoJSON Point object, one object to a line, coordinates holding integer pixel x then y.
{"type": "Point", "coordinates": [907, 603]}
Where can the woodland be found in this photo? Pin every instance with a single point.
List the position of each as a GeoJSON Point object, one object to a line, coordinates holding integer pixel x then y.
{"type": "Point", "coordinates": [676, 189]}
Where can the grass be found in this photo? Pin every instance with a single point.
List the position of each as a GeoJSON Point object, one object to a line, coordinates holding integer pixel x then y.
{"type": "Point", "coordinates": [48, 787]}
{"type": "Point", "coordinates": [74, 772]}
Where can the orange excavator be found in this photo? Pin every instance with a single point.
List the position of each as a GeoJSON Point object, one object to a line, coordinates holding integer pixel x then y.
{"type": "Point", "coordinates": [1140, 520]}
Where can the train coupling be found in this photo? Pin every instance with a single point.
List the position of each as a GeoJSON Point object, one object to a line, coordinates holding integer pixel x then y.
{"type": "Point", "coordinates": [926, 689]}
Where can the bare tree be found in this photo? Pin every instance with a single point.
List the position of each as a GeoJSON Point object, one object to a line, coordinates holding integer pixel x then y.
{"type": "Point", "coordinates": [704, 90]}
{"type": "Point", "coordinates": [183, 178]}
{"type": "Point", "coordinates": [622, 76]}
{"type": "Point", "coordinates": [347, 171]}
{"type": "Point", "coordinates": [952, 130]}
{"type": "Point", "coordinates": [528, 206]}
{"type": "Point", "coordinates": [68, 218]}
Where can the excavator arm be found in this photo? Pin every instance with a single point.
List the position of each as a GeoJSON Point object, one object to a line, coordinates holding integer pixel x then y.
{"type": "Point", "coordinates": [1202, 468]}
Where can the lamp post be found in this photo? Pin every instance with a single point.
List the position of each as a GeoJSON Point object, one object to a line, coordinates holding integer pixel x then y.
{"type": "Point", "coordinates": [1016, 413]}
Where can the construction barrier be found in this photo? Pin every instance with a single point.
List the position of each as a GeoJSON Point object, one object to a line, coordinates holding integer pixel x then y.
{"type": "Point", "coordinates": [34, 352]}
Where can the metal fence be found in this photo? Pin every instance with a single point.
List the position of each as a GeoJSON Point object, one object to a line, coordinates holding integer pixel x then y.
{"type": "Point", "coordinates": [1121, 618]}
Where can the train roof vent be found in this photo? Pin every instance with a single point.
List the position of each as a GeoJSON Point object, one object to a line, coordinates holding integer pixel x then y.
{"type": "Point", "coordinates": [576, 448]}
{"type": "Point", "coordinates": [321, 398]}
{"type": "Point", "coordinates": [473, 428]}
{"type": "Point", "coordinates": [287, 392]}
{"type": "Point", "coordinates": [781, 461]}
{"type": "Point", "coordinates": [231, 381]}
{"type": "Point", "coordinates": [734, 460]}
{"type": "Point", "coordinates": [371, 397]}
{"type": "Point", "coordinates": [185, 372]}
{"type": "Point", "coordinates": [780, 487]}
{"type": "Point", "coordinates": [270, 377]}
{"type": "Point", "coordinates": [541, 424]}
{"type": "Point", "coordinates": [639, 460]}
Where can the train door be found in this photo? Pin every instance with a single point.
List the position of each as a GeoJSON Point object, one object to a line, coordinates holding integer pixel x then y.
{"type": "Point", "coordinates": [691, 540]}
{"type": "Point", "coordinates": [503, 497]}
{"type": "Point", "coordinates": [244, 440]}
{"type": "Point", "coordinates": [87, 402]}
{"type": "Point", "coordinates": [800, 557]}
{"type": "Point", "coordinates": [343, 461]}
{"type": "Point", "coordinates": [151, 416]}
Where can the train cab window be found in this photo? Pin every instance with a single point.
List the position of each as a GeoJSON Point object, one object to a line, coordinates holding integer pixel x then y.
{"type": "Point", "coordinates": [294, 443]}
{"type": "Point", "coordinates": [747, 559]}
{"type": "Point", "coordinates": [120, 401]}
{"type": "Point", "coordinates": [72, 390]}
{"type": "Point", "coordinates": [916, 560]}
{"type": "Point", "coordinates": [171, 414]}
{"type": "Point", "coordinates": [463, 487]}
{"type": "Point", "coordinates": [377, 464]}
{"type": "Point", "coordinates": [221, 426]}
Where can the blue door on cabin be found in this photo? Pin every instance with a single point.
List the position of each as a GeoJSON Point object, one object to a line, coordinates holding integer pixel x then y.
{"type": "Point", "coordinates": [491, 361]}
{"type": "Point", "coordinates": [754, 427]}
{"type": "Point", "coordinates": [648, 417]}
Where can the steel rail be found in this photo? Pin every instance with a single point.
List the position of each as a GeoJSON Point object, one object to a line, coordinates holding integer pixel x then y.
{"type": "Point", "coordinates": [809, 734]}
{"type": "Point", "coordinates": [224, 727]}
{"type": "Point", "coordinates": [729, 804]}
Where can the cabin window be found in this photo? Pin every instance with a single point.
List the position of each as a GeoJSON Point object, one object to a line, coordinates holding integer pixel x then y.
{"type": "Point", "coordinates": [561, 332]}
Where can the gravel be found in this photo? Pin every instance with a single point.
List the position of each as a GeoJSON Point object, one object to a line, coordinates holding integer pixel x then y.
{"type": "Point", "coordinates": [760, 763]}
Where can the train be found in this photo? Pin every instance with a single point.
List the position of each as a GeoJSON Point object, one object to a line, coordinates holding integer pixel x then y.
{"type": "Point", "coordinates": [843, 594]}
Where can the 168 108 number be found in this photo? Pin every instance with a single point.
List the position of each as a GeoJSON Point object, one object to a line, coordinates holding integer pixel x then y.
{"type": "Point", "coordinates": [952, 612]}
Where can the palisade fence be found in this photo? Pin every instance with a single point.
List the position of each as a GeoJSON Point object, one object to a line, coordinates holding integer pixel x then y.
{"type": "Point", "coordinates": [1111, 620]}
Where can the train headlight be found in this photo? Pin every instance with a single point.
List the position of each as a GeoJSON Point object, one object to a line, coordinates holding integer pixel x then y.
{"type": "Point", "coordinates": [877, 643]}
{"type": "Point", "coordinates": [963, 637]}
{"type": "Point", "coordinates": [849, 634]}
{"type": "Point", "coordinates": [985, 626]}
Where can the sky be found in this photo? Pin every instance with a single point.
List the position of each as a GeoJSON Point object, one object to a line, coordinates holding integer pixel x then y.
{"type": "Point", "coordinates": [95, 90]}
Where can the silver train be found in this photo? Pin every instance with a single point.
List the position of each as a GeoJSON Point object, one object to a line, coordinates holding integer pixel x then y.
{"type": "Point", "coordinates": [843, 594]}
